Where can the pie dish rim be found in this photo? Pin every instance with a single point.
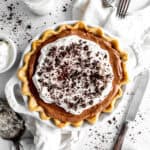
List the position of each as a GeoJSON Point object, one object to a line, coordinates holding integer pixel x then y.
{"type": "Point", "coordinates": [32, 104]}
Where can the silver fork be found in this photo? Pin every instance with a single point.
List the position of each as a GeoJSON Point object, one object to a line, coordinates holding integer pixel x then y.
{"type": "Point", "coordinates": [122, 8]}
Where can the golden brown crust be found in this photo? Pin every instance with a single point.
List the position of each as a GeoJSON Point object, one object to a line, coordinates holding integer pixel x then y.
{"type": "Point", "coordinates": [32, 103]}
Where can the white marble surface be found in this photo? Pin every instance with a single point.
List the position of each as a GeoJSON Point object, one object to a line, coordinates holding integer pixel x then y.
{"type": "Point", "coordinates": [101, 136]}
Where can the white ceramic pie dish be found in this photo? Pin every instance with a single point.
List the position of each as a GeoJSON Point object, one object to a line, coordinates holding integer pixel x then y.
{"type": "Point", "coordinates": [22, 107]}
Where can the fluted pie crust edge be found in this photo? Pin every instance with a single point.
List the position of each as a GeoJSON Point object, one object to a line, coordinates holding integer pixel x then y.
{"type": "Point", "coordinates": [33, 105]}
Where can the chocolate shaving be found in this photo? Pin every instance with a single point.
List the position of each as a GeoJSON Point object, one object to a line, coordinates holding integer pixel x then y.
{"type": "Point", "coordinates": [57, 61]}
{"type": "Point", "coordinates": [105, 56]}
{"type": "Point", "coordinates": [83, 105]}
{"type": "Point", "coordinates": [39, 73]}
{"type": "Point", "coordinates": [91, 102]}
{"type": "Point", "coordinates": [86, 47]}
{"type": "Point", "coordinates": [70, 105]}
{"type": "Point", "coordinates": [102, 88]}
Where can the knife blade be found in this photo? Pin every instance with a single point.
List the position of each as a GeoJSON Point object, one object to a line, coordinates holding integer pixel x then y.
{"type": "Point", "coordinates": [140, 84]}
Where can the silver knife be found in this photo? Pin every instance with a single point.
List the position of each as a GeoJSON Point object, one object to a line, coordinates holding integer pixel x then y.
{"type": "Point", "coordinates": [140, 84]}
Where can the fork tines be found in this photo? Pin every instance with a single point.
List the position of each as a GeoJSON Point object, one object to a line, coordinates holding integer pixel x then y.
{"type": "Point", "coordinates": [122, 8]}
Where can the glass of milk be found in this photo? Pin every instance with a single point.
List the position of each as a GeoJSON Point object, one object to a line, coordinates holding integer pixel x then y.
{"type": "Point", "coordinates": [40, 7]}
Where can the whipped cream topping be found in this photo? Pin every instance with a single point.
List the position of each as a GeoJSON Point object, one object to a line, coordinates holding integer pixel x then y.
{"type": "Point", "coordinates": [74, 73]}
{"type": "Point", "coordinates": [4, 54]}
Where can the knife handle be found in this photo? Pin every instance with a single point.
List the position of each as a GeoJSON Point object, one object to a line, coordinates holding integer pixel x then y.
{"type": "Point", "coordinates": [121, 136]}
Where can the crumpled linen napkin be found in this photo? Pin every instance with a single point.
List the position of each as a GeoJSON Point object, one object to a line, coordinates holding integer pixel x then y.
{"type": "Point", "coordinates": [130, 29]}
{"type": "Point", "coordinates": [40, 7]}
{"type": "Point", "coordinates": [46, 138]}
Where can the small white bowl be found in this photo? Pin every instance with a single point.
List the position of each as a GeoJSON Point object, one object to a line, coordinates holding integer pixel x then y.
{"type": "Point", "coordinates": [12, 52]}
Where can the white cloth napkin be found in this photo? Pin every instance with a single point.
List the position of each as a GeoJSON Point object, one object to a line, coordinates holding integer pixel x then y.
{"type": "Point", "coordinates": [129, 30]}
{"type": "Point", "coordinates": [40, 7]}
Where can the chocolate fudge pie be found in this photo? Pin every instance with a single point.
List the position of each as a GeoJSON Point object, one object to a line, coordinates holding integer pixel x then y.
{"type": "Point", "coordinates": [72, 74]}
